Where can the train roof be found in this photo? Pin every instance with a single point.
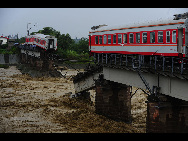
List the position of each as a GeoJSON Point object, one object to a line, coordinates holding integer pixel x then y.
{"type": "Point", "coordinates": [41, 35]}
{"type": "Point", "coordinates": [139, 25]}
{"type": "Point", "coordinates": [38, 35]}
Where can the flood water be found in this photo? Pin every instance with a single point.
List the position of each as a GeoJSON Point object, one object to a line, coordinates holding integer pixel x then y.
{"type": "Point", "coordinates": [42, 105]}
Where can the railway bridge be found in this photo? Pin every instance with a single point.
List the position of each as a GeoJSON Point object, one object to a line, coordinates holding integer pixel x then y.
{"type": "Point", "coordinates": [166, 85]}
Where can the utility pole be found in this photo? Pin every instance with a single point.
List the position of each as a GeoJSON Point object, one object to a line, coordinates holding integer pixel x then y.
{"type": "Point", "coordinates": [28, 29]}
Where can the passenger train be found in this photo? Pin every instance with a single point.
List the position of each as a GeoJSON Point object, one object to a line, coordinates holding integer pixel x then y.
{"type": "Point", "coordinates": [42, 41]}
{"type": "Point", "coordinates": [38, 50]}
{"type": "Point", "coordinates": [37, 44]}
{"type": "Point", "coordinates": [162, 38]}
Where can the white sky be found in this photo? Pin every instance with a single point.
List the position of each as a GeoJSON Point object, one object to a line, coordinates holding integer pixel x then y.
{"type": "Point", "coordinates": [76, 21]}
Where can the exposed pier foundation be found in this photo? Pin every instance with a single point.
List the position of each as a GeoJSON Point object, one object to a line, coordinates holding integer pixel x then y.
{"type": "Point", "coordinates": [113, 100]}
{"type": "Point", "coordinates": [166, 114]}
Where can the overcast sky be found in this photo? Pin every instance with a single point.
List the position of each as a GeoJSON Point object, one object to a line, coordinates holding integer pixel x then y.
{"type": "Point", "coordinates": [76, 21]}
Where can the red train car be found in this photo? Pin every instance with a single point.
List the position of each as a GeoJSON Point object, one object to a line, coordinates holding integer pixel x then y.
{"type": "Point", "coordinates": [162, 38]}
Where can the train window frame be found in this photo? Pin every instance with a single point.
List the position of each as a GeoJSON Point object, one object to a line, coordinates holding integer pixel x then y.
{"type": "Point", "coordinates": [152, 38]}
{"type": "Point", "coordinates": [100, 39]}
{"type": "Point", "coordinates": [167, 36]}
{"type": "Point", "coordinates": [137, 38]}
{"type": "Point", "coordinates": [174, 36]}
{"type": "Point", "coordinates": [109, 39]}
{"type": "Point", "coordinates": [114, 39]}
{"type": "Point", "coordinates": [144, 37]}
{"type": "Point", "coordinates": [96, 39]}
{"type": "Point", "coordinates": [105, 39]}
{"type": "Point", "coordinates": [119, 38]}
{"type": "Point", "coordinates": [131, 38]}
{"type": "Point", "coordinates": [158, 35]}
{"type": "Point", "coordinates": [125, 38]}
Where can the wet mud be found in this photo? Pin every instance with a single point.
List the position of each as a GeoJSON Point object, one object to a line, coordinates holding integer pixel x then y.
{"type": "Point", "coordinates": [42, 105]}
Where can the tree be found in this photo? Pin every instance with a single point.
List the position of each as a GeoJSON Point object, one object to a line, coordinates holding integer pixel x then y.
{"type": "Point", "coordinates": [63, 41]}
{"type": "Point", "coordinates": [21, 40]}
{"type": "Point", "coordinates": [48, 31]}
{"type": "Point", "coordinates": [81, 46]}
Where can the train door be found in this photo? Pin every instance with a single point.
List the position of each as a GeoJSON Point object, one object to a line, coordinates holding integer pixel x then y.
{"type": "Point", "coordinates": [186, 38]}
{"type": "Point", "coordinates": [89, 42]}
{"type": "Point", "coordinates": [51, 44]}
{"type": "Point", "coordinates": [180, 40]}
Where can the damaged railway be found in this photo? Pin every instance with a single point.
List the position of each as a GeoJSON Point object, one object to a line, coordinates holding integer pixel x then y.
{"type": "Point", "coordinates": [151, 56]}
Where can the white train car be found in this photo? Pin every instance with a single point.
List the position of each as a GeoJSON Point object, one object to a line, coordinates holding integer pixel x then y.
{"type": "Point", "coordinates": [45, 42]}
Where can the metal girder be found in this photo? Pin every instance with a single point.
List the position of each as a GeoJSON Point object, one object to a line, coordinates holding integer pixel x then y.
{"type": "Point", "coordinates": [171, 86]}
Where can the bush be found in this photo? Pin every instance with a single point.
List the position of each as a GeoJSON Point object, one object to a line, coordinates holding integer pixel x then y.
{"type": "Point", "coordinates": [13, 50]}
{"type": "Point", "coordinates": [72, 54]}
{"type": "Point", "coordinates": [4, 46]}
{"type": "Point", "coordinates": [4, 66]}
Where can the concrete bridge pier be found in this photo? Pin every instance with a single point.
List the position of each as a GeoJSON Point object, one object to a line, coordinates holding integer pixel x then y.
{"type": "Point", "coordinates": [113, 100]}
{"type": "Point", "coordinates": [166, 114]}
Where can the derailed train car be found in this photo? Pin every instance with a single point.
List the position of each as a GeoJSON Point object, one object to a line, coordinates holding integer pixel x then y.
{"type": "Point", "coordinates": [38, 50]}
{"type": "Point", "coordinates": [40, 42]}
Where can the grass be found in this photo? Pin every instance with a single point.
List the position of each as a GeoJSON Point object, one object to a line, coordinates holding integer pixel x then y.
{"type": "Point", "coordinates": [4, 66]}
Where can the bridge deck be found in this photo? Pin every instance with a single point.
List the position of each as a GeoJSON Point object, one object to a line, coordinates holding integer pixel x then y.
{"type": "Point", "coordinates": [171, 86]}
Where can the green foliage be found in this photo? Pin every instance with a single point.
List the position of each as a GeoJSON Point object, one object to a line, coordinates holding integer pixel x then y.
{"type": "Point", "coordinates": [81, 46]}
{"type": "Point", "coordinates": [4, 46]}
{"type": "Point", "coordinates": [21, 40]}
{"type": "Point", "coordinates": [71, 54]}
{"type": "Point", "coordinates": [13, 50]}
{"type": "Point", "coordinates": [4, 66]}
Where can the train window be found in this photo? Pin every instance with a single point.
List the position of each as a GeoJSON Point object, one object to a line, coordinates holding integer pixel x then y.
{"type": "Point", "coordinates": [109, 39]}
{"type": "Point", "coordinates": [125, 38]}
{"type": "Point", "coordinates": [114, 39]}
{"type": "Point", "coordinates": [119, 38]}
{"type": "Point", "coordinates": [152, 37]}
{"type": "Point", "coordinates": [174, 36]}
{"type": "Point", "coordinates": [160, 37]}
{"type": "Point", "coordinates": [131, 40]}
{"type": "Point", "coordinates": [104, 39]}
{"type": "Point", "coordinates": [168, 36]}
{"type": "Point", "coordinates": [96, 39]}
{"type": "Point", "coordinates": [137, 37]}
{"type": "Point", "coordinates": [144, 37]}
{"type": "Point", "coordinates": [100, 39]}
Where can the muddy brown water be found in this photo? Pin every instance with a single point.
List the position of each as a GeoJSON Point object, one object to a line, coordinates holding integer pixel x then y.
{"type": "Point", "coordinates": [42, 105]}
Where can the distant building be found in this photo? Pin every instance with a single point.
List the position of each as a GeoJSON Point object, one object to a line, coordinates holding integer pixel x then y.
{"type": "Point", "coordinates": [3, 40]}
{"type": "Point", "coordinates": [76, 40]}
{"type": "Point", "coordinates": [13, 36]}
{"type": "Point", "coordinates": [10, 40]}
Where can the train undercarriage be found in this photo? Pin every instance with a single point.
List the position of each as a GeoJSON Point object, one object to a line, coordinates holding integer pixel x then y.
{"type": "Point", "coordinates": [165, 65]}
{"type": "Point", "coordinates": [37, 58]}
